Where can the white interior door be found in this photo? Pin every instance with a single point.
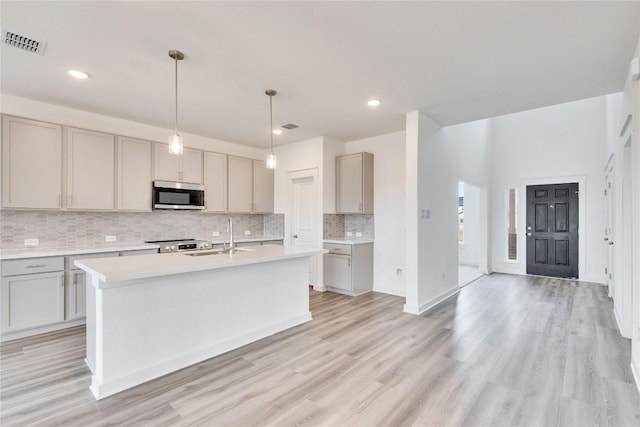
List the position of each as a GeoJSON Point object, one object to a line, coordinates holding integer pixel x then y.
{"type": "Point", "coordinates": [303, 217]}
{"type": "Point", "coordinates": [609, 235]}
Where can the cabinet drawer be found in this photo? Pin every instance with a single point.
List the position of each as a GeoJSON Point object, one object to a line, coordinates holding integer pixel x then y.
{"type": "Point", "coordinates": [70, 259]}
{"type": "Point", "coordinates": [337, 248]}
{"type": "Point", "coordinates": [32, 265]}
{"type": "Point", "coordinates": [139, 252]}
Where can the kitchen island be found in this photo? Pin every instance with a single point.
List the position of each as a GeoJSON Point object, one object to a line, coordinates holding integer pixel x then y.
{"type": "Point", "coordinates": [151, 315]}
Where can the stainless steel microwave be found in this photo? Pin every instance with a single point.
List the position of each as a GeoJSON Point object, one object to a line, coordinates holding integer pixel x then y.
{"type": "Point", "coordinates": [177, 195]}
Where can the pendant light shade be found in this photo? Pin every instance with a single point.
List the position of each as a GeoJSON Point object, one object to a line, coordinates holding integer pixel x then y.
{"type": "Point", "coordinates": [176, 145]}
{"type": "Point", "coordinates": [272, 161]}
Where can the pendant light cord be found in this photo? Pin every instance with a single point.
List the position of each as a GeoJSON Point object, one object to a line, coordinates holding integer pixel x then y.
{"type": "Point", "coordinates": [175, 60]}
{"type": "Point", "coordinates": [271, 121]}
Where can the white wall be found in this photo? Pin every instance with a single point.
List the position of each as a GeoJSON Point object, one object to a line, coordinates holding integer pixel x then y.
{"type": "Point", "coordinates": [631, 104]}
{"type": "Point", "coordinates": [431, 200]}
{"type": "Point", "coordinates": [52, 113]}
{"type": "Point", "coordinates": [566, 140]}
{"type": "Point", "coordinates": [389, 205]}
{"type": "Point", "coordinates": [468, 251]}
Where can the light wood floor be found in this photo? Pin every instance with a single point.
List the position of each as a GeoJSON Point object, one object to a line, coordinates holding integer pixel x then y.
{"type": "Point", "coordinates": [508, 350]}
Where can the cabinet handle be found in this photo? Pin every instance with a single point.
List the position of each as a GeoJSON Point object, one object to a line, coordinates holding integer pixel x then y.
{"type": "Point", "coordinates": [69, 200]}
{"type": "Point", "coordinates": [349, 262]}
{"type": "Point", "coordinates": [59, 201]}
{"type": "Point", "coordinates": [75, 278]}
{"type": "Point", "coordinates": [36, 265]}
{"type": "Point", "coordinates": [360, 208]}
{"type": "Point", "coordinates": [61, 280]}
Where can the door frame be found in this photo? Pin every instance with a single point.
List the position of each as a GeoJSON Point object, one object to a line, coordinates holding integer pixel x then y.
{"type": "Point", "coordinates": [522, 217]}
{"type": "Point", "coordinates": [292, 176]}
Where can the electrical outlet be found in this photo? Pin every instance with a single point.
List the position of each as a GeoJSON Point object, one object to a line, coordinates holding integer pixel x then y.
{"type": "Point", "coordinates": [215, 233]}
{"type": "Point", "coordinates": [247, 232]}
{"type": "Point", "coordinates": [110, 238]}
{"type": "Point", "coordinates": [349, 234]}
{"type": "Point", "coordinates": [358, 234]}
{"type": "Point", "coordinates": [399, 272]}
{"type": "Point", "coordinates": [31, 242]}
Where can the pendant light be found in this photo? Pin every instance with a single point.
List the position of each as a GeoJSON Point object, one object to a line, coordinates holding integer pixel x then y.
{"type": "Point", "coordinates": [176, 145]}
{"type": "Point", "coordinates": [271, 158]}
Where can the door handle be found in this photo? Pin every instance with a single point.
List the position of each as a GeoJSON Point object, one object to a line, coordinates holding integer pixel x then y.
{"type": "Point", "coordinates": [606, 239]}
{"type": "Point", "coordinates": [529, 234]}
{"type": "Point", "coordinates": [610, 243]}
{"type": "Point", "coordinates": [295, 236]}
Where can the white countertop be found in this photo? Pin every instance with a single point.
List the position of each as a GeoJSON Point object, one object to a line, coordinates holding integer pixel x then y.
{"type": "Point", "coordinates": [130, 268]}
{"type": "Point", "coordinates": [22, 253]}
{"type": "Point", "coordinates": [348, 242]}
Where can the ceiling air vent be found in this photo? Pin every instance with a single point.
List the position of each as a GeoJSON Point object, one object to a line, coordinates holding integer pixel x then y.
{"type": "Point", "coordinates": [290, 126]}
{"type": "Point", "coordinates": [24, 43]}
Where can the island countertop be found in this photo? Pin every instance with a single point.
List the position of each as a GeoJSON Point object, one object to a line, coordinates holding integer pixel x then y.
{"type": "Point", "coordinates": [109, 270]}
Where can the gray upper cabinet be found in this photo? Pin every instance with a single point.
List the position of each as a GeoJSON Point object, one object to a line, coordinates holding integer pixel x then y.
{"type": "Point", "coordinates": [354, 183]}
{"type": "Point", "coordinates": [215, 182]}
{"type": "Point", "coordinates": [90, 178]}
{"type": "Point", "coordinates": [262, 187]}
{"type": "Point", "coordinates": [240, 184]}
{"type": "Point", "coordinates": [31, 164]}
{"type": "Point", "coordinates": [250, 186]}
{"type": "Point", "coordinates": [184, 168]}
{"type": "Point", "coordinates": [133, 174]}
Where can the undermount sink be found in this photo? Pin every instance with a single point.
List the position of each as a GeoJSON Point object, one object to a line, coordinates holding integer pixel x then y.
{"type": "Point", "coordinates": [216, 252]}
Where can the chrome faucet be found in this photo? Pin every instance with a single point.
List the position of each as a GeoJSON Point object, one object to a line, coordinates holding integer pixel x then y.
{"type": "Point", "coordinates": [232, 248]}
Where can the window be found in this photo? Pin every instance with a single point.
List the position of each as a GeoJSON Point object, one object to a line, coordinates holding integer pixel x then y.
{"type": "Point", "coordinates": [460, 212]}
{"type": "Point", "coordinates": [512, 234]}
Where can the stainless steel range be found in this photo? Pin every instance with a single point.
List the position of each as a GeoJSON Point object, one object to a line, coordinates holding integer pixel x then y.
{"type": "Point", "coordinates": [181, 245]}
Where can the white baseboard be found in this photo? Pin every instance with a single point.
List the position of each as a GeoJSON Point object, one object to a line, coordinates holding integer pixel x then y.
{"type": "Point", "coordinates": [9, 336]}
{"type": "Point", "coordinates": [319, 288]}
{"type": "Point", "coordinates": [636, 374]}
{"type": "Point", "coordinates": [390, 291]}
{"type": "Point", "coordinates": [594, 279]}
{"type": "Point", "coordinates": [619, 323]}
{"type": "Point", "coordinates": [432, 302]}
{"type": "Point", "coordinates": [102, 390]}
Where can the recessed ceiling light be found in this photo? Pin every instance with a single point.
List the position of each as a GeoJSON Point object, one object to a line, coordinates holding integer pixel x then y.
{"type": "Point", "coordinates": [373, 102]}
{"type": "Point", "coordinates": [78, 74]}
{"type": "Point", "coordinates": [277, 131]}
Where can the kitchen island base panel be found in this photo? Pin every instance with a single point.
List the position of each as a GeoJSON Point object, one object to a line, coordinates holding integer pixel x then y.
{"type": "Point", "coordinates": [150, 327]}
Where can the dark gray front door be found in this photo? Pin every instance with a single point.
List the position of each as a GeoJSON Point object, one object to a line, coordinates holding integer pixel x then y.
{"type": "Point", "coordinates": [552, 230]}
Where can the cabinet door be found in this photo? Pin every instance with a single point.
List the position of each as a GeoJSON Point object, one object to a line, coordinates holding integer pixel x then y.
{"type": "Point", "coordinates": [262, 187]}
{"type": "Point", "coordinates": [337, 272]}
{"type": "Point", "coordinates": [170, 167]}
{"type": "Point", "coordinates": [32, 300]}
{"type": "Point", "coordinates": [191, 169]}
{"type": "Point", "coordinates": [240, 184]}
{"type": "Point", "coordinates": [166, 165]}
{"type": "Point", "coordinates": [215, 182]}
{"type": "Point", "coordinates": [90, 170]}
{"type": "Point", "coordinates": [349, 184]}
{"type": "Point", "coordinates": [75, 294]}
{"type": "Point", "coordinates": [31, 164]}
{"type": "Point", "coordinates": [134, 174]}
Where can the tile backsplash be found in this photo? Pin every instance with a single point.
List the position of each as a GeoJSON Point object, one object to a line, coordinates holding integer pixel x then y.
{"type": "Point", "coordinates": [69, 229]}
{"type": "Point", "coordinates": [337, 225]}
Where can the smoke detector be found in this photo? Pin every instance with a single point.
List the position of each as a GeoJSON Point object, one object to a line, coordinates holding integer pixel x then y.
{"type": "Point", "coordinates": [23, 43]}
{"type": "Point", "coordinates": [290, 126]}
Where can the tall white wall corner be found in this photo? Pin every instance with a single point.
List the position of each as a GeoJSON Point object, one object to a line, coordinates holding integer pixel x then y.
{"type": "Point", "coordinates": [634, 70]}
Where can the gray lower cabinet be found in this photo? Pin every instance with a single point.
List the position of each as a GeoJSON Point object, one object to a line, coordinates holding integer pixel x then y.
{"type": "Point", "coordinates": [32, 293]}
{"type": "Point", "coordinates": [348, 269]}
{"type": "Point", "coordinates": [45, 292]}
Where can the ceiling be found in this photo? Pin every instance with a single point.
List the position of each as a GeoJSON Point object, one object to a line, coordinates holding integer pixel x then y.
{"type": "Point", "coordinates": [456, 61]}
